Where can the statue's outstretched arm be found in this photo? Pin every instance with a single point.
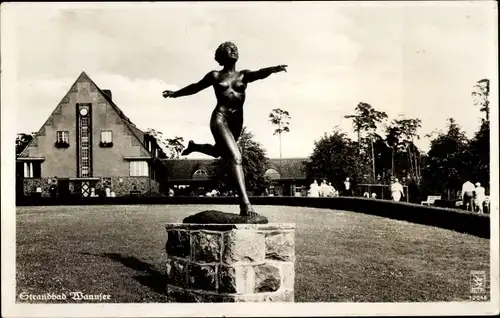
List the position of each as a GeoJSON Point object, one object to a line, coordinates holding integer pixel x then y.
{"type": "Point", "coordinates": [191, 89]}
{"type": "Point", "coordinates": [251, 76]}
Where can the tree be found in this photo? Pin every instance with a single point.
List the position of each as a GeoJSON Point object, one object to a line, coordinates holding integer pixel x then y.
{"type": "Point", "coordinates": [335, 157]}
{"type": "Point", "coordinates": [383, 157]}
{"type": "Point", "coordinates": [365, 120]}
{"type": "Point", "coordinates": [479, 155]}
{"type": "Point", "coordinates": [447, 160]}
{"type": "Point", "coordinates": [407, 129]}
{"type": "Point", "coordinates": [255, 163]}
{"type": "Point", "coordinates": [479, 147]}
{"type": "Point", "coordinates": [480, 96]}
{"type": "Point", "coordinates": [171, 146]}
{"type": "Point", "coordinates": [392, 139]}
{"type": "Point", "coordinates": [22, 140]}
{"type": "Point", "coordinates": [281, 119]}
{"type": "Point", "coordinates": [175, 146]}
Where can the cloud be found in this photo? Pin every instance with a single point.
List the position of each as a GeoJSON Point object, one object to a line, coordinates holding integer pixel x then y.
{"type": "Point", "coordinates": [420, 60]}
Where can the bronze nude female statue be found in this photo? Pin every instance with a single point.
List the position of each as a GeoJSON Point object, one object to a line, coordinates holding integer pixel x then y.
{"type": "Point", "coordinates": [226, 121]}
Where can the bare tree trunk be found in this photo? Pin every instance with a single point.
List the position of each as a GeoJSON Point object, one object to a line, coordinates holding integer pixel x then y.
{"type": "Point", "coordinates": [417, 172]}
{"type": "Point", "coordinates": [280, 146]}
{"type": "Point", "coordinates": [415, 160]}
{"type": "Point", "coordinates": [487, 109]}
{"type": "Point", "coordinates": [359, 142]}
{"type": "Point", "coordinates": [392, 159]}
{"type": "Point", "coordinates": [410, 157]}
{"type": "Point", "coordinates": [373, 159]}
{"type": "Point", "coordinates": [279, 133]}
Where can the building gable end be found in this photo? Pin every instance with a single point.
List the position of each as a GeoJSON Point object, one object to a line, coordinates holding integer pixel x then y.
{"type": "Point", "coordinates": [120, 119]}
{"type": "Point", "coordinates": [57, 111]}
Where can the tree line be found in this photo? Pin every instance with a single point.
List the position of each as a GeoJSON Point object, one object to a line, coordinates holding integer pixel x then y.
{"type": "Point", "coordinates": [376, 158]}
{"type": "Point", "coordinates": [382, 150]}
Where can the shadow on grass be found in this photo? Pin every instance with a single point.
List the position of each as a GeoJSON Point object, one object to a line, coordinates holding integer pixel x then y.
{"type": "Point", "coordinates": [154, 279]}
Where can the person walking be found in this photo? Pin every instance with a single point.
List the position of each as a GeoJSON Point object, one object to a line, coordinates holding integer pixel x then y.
{"type": "Point", "coordinates": [331, 190]}
{"type": "Point", "coordinates": [314, 189]}
{"type": "Point", "coordinates": [468, 195]}
{"type": "Point", "coordinates": [479, 197]}
{"type": "Point", "coordinates": [347, 187]}
{"type": "Point", "coordinates": [397, 190]}
{"type": "Point", "coordinates": [323, 192]}
{"type": "Point", "coordinates": [53, 187]}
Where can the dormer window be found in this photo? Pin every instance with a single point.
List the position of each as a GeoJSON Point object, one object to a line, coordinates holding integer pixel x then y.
{"type": "Point", "coordinates": [62, 139]}
{"type": "Point", "coordinates": [106, 138]}
{"type": "Point", "coordinates": [200, 174]}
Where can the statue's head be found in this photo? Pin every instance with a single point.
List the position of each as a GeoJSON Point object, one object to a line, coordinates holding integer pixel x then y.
{"type": "Point", "coordinates": [227, 52]}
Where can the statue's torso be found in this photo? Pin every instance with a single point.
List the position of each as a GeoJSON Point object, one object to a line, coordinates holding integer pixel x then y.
{"type": "Point", "coordinates": [230, 91]}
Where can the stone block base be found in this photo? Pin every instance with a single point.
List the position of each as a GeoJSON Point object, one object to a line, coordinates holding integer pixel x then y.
{"type": "Point", "coordinates": [230, 262]}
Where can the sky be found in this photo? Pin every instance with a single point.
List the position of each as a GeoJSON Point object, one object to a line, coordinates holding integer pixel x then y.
{"type": "Point", "coordinates": [418, 59]}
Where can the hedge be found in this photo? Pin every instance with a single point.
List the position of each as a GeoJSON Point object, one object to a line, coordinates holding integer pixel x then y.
{"type": "Point", "coordinates": [446, 218]}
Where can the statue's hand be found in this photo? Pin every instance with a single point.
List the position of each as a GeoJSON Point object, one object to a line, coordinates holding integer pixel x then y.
{"type": "Point", "coordinates": [281, 68]}
{"type": "Point", "coordinates": [168, 94]}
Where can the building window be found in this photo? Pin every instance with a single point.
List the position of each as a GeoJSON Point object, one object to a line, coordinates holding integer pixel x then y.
{"type": "Point", "coordinates": [32, 169]}
{"type": "Point", "coordinates": [63, 136]}
{"type": "Point", "coordinates": [139, 169]}
{"type": "Point", "coordinates": [106, 138]}
{"type": "Point", "coordinates": [62, 139]}
{"type": "Point", "coordinates": [272, 174]}
{"type": "Point", "coordinates": [200, 175]}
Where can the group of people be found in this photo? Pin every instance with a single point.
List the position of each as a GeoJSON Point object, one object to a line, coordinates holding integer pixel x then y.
{"type": "Point", "coordinates": [473, 196]}
{"type": "Point", "coordinates": [326, 189]}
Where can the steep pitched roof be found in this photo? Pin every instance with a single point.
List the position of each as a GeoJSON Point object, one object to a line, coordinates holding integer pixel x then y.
{"type": "Point", "coordinates": [290, 168]}
{"type": "Point", "coordinates": [138, 133]}
{"type": "Point", "coordinates": [183, 169]}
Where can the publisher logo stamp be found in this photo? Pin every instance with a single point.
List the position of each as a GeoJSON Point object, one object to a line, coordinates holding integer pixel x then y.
{"type": "Point", "coordinates": [478, 282]}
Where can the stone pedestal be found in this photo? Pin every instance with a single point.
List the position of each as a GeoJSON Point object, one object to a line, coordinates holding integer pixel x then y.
{"type": "Point", "coordinates": [230, 263]}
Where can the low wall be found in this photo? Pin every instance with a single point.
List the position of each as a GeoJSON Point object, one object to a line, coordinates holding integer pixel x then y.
{"type": "Point", "coordinates": [452, 219]}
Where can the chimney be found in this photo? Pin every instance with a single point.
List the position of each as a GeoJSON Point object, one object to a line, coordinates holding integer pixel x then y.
{"type": "Point", "coordinates": [108, 94]}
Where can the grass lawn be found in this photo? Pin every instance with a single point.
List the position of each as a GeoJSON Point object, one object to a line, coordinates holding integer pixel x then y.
{"type": "Point", "coordinates": [341, 256]}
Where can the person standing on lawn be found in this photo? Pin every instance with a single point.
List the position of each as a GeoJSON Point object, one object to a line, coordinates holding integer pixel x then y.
{"type": "Point", "coordinates": [347, 187]}
{"type": "Point", "coordinates": [314, 189]}
{"type": "Point", "coordinates": [323, 192]}
{"type": "Point", "coordinates": [479, 197]}
{"type": "Point", "coordinates": [397, 190]}
{"type": "Point", "coordinates": [468, 195]}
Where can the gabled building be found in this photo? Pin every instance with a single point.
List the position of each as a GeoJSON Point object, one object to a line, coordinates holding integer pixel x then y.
{"type": "Point", "coordinates": [289, 176]}
{"type": "Point", "coordinates": [87, 146]}
{"type": "Point", "coordinates": [192, 176]}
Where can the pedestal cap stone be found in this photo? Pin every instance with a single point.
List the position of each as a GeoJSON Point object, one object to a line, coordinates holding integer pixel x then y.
{"type": "Point", "coordinates": [219, 217]}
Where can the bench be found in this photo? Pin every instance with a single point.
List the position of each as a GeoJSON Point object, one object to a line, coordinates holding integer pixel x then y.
{"type": "Point", "coordinates": [431, 199]}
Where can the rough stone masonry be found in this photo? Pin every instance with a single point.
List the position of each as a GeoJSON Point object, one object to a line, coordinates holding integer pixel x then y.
{"type": "Point", "coordinates": [230, 262]}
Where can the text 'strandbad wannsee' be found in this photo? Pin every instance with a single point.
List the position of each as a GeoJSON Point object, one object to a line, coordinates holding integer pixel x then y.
{"type": "Point", "coordinates": [75, 296]}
